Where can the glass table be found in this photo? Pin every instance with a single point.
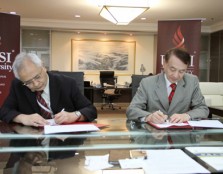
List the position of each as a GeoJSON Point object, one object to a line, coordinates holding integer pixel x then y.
{"type": "Point", "coordinates": [29, 150]}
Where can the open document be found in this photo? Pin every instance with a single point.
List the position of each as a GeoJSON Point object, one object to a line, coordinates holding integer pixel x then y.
{"type": "Point", "coordinates": [189, 124]}
{"type": "Point", "coordinates": [213, 156]}
{"type": "Point", "coordinates": [164, 161]}
{"type": "Point", "coordinates": [48, 129]}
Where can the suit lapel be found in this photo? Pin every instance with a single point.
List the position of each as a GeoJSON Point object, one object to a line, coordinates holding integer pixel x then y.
{"type": "Point", "coordinates": [161, 92]}
{"type": "Point", "coordinates": [31, 97]}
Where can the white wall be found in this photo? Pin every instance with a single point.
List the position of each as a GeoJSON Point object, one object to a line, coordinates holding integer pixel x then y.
{"type": "Point", "coordinates": [61, 54]}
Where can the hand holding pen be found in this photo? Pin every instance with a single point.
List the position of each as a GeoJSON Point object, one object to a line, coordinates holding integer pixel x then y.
{"type": "Point", "coordinates": [60, 117]}
{"type": "Point", "coordinates": [157, 117]}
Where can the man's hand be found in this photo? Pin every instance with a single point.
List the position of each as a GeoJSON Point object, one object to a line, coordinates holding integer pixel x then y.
{"type": "Point", "coordinates": [65, 117]}
{"type": "Point", "coordinates": [31, 120]}
{"type": "Point", "coordinates": [157, 117]}
{"type": "Point", "coordinates": [179, 118]}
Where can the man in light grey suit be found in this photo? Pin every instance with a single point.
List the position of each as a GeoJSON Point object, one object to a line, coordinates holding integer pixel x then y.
{"type": "Point", "coordinates": [151, 103]}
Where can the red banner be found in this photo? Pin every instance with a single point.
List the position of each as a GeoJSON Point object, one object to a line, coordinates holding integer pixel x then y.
{"type": "Point", "coordinates": [9, 48]}
{"type": "Point", "coordinates": [183, 34]}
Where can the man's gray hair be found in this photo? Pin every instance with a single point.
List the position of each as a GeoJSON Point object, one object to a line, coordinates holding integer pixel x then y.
{"type": "Point", "coordinates": [19, 60]}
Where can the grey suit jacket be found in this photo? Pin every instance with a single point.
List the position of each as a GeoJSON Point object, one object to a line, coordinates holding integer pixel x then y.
{"type": "Point", "coordinates": [152, 96]}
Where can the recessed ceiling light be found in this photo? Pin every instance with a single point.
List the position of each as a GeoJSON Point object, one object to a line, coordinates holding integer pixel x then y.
{"type": "Point", "coordinates": [12, 12]}
{"type": "Point", "coordinates": [143, 19]}
{"type": "Point", "coordinates": [77, 16]}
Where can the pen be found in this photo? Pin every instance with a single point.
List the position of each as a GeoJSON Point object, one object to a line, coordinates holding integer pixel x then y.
{"type": "Point", "coordinates": [160, 112]}
{"type": "Point", "coordinates": [166, 121]}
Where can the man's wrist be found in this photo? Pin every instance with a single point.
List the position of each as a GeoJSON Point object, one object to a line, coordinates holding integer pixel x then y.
{"type": "Point", "coordinates": [147, 118]}
{"type": "Point", "coordinates": [187, 117]}
{"type": "Point", "coordinates": [78, 115]}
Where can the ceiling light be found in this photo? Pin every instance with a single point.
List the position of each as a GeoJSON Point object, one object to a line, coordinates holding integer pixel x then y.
{"type": "Point", "coordinates": [77, 16]}
{"type": "Point", "coordinates": [124, 12]}
{"type": "Point", "coordinates": [12, 12]}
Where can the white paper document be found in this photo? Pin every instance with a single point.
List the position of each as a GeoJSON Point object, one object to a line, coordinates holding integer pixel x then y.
{"type": "Point", "coordinates": [199, 123]}
{"type": "Point", "coordinates": [210, 155]}
{"type": "Point", "coordinates": [131, 163]}
{"type": "Point", "coordinates": [94, 163]}
{"type": "Point", "coordinates": [130, 171]}
{"type": "Point", "coordinates": [69, 128]}
{"type": "Point", "coordinates": [166, 125]}
{"type": "Point", "coordinates": [171, 161]}
{"type": "Point", "coordinates": [51, 122]}
{"type": "Point", "coordinates": [206, 123]}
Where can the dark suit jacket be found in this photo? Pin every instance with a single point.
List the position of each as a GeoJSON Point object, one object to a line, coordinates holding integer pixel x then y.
{"type": "Point", "coordinates": [64, 93]}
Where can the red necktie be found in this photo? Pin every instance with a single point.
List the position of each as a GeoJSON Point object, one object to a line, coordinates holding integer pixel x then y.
{"type": "Point", "coordinates": [44, 109]}
{"type": "Point", "coordinates": [173, 86]}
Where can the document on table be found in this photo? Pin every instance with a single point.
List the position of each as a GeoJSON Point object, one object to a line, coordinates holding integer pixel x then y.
{"type": "Point", "coordinates": [131, 163]}
{"type": "Point", "coordinates": [94, 163]}
{"type": "Point", "coordinates": [130, 171]}
{"type": "Point", "coordinates": [166, 125]}
{"type": "Point", "coordinates": [171, 161]}
{"type": "Point", "coordinates": [170, 125]}
{"type": "Point", "coordinates": [213, 156]}
{"type": "Point", "coordinates": [48, 129]}
{"type": "Point", "coordinates": [206, 123]}
{"type": "Point", "coordinates": [190, 124]}
{"type": "Point", "coordinates": [164, 161]}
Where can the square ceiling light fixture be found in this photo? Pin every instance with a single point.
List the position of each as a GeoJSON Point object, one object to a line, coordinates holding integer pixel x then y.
{"type": "Point", "coordinates": [122, 12]}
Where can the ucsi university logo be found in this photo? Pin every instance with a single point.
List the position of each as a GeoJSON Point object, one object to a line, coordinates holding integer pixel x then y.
{"type": "Point", "coordinates": [5, 59]}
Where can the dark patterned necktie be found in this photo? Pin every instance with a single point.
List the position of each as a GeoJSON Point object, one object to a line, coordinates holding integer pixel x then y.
{"type": "Point", "coordinates": [44, 109]}
{"type": "Point", "coordinates": [173, 86]}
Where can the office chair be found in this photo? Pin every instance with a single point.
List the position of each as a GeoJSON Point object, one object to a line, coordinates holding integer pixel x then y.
{"type": "Point", "coordinates": [110, 92]}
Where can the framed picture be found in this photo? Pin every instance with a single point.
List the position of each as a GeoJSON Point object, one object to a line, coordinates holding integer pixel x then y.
{"type": "Point", "coordinates": [92, 56]}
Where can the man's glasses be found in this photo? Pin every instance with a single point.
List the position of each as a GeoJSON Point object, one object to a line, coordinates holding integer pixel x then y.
{"type": "Point", "coordinates": [36, 78]}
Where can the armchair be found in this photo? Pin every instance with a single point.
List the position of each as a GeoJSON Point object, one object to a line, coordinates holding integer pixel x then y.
{"type": "Point", "coordinates": [110, 92]}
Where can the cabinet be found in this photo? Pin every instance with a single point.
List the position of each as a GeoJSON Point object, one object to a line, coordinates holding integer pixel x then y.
{"type": "Point", "coordinates": [216, 57]}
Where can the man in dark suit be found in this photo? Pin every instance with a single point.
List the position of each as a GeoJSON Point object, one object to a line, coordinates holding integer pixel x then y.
{"type": "Point", "coordinates": [156, 101]}
{"type": "Point", "coordinates": [63, 102]}
{"type": "Point", "coordinates": [61, 94]}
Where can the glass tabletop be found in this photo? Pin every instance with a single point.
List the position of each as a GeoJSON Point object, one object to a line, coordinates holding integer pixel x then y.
{"type": "Point", "coordinates": [119, 133]}
{"type": "Point", "coordinates": [117, 137]}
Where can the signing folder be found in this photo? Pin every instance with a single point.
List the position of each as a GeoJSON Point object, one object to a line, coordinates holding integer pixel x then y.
{"type": "Point", "coordinates": [48, 129]}
{"type": "Point", "coordinates": [52, 123]}
{"type": "Point", "coordinates": [165, 125]}
{"type": "Point", "coordinates": [189, 124]}
{"type": "Point", "coordinates": [71, 127]}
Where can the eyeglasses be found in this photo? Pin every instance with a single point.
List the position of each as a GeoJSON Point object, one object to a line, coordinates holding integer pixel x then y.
{"type": "Point", "coordinates": [36, 78]}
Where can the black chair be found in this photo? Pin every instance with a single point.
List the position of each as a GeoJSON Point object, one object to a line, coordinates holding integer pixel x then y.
{"type": "Point", "coordinates": [136, 79]}
{"type": "Point", "coordinates": [110, 92]}
{"type": "Point", "coordinates": [77, 76]}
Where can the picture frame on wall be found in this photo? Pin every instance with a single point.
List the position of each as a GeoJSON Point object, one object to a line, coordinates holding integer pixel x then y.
{"type": "Point", "coordinates": [92, 56]}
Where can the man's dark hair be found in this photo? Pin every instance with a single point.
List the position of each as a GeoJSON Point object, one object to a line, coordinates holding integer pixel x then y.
{"type": "Point", "coordinates": [180, 53]}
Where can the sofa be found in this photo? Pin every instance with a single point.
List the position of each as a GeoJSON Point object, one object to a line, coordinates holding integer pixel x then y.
{"type": "Point", "coordinates": [213, 93]}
